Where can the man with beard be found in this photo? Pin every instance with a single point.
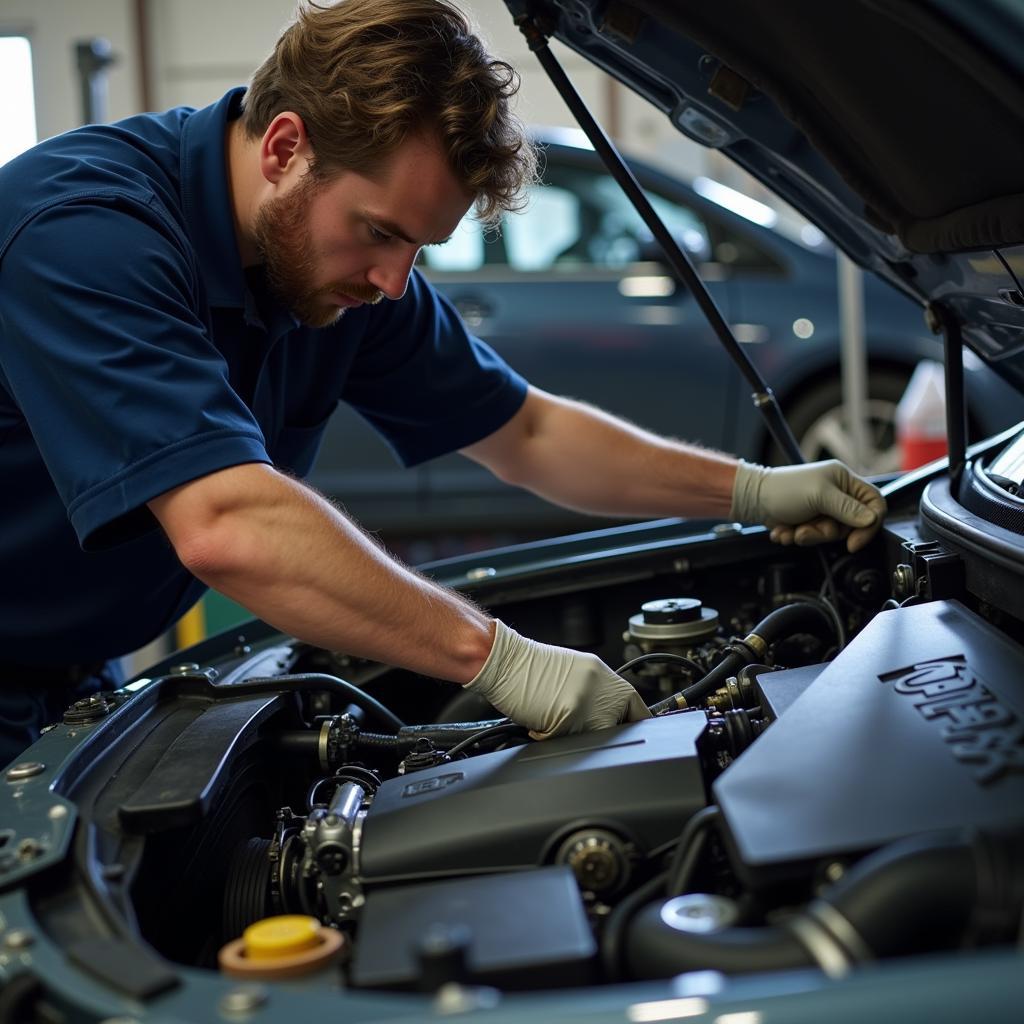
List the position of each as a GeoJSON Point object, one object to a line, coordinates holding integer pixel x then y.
{"type": "Point", "coordinates": [185, 299]}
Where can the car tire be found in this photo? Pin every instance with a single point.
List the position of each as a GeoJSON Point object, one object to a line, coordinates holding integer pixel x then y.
{"type": "Point", "coordinates": [816, 419]}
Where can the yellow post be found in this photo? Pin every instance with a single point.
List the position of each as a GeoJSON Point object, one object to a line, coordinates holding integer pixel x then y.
{"type": "Point", "coordinates": [191, 627]}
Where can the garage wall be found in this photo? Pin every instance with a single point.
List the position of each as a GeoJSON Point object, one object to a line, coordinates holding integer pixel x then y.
{"type": "Point", "coordinates": [52, 29]}
{"type": "Point", "coordinates": [200, 48]}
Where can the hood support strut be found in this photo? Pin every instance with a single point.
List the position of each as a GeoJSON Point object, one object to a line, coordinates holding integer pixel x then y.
{"type": "Point", "coordinates": [762, 396]}
{"type": "Point", "coordinates": [941, 318]}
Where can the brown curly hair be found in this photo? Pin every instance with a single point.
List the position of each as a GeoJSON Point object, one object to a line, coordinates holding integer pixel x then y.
{"type": "Point", "coordinates": [365, 74]}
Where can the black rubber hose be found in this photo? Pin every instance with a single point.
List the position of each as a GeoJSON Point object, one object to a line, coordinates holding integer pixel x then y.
{"type": "Point", "coordinates": [923, 893]}
{"type": "Point", "coordinates": [450, 733]}
{"type": "Point", "coordinates": [614, 929]}
{"type": "Point", "coordinates": [656, 950]}
{"type": "Point", "coordinates": [442, 736]}
{"type": "Point", "coordinates": [299, 741]}
{"type": "Point", "coordinates": [382, 741]}
{"type": "Point", "coordinates": [321, 681]}
{"type": "Point", "coordinates": [503, 729]}
{"type": "Point", "coordinates": [731, 664]}
{"type": "Point", "coordinates": [798, 617]}
{"type": "Point", "coordinates": [689, 848]}
{"type": "Point", "coordinates": [920, 894]}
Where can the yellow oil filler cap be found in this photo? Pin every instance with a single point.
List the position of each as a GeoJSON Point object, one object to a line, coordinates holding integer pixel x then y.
{"type": "Point", "coordinates": [283, 936]}
{"type": "Point", "coordinates": [282, 947]}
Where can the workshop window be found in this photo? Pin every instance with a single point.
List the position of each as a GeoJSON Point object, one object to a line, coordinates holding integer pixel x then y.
{"type": "Point", "coordinates": [464, 251]}
{"type": "Point", "coordinates": [17, 97]}
{"type": "Point", "coordinates": [544, 231]}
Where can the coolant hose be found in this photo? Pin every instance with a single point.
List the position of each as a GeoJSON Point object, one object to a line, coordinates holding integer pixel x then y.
{"type": "Point", "coordinates": [321, 681]}
{"type": "Point", "coordinates": [308, 741]}
{"type": "Point", "coordinates": [798, 617]}
{"type": "Point", "coordinates": [924, 893]}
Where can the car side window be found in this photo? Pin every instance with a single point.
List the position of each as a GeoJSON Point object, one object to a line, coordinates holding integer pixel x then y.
{"type": "Point", "coordinates": [464, 251]}
{"type": "Point", "coordinates": [548, 227]}
{"type": "Point", "coordinates": [581, 219]}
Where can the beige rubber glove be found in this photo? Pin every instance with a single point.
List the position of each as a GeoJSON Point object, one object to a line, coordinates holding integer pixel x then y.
{"type": "Point", "coordinates": [553, 690]}
{"type": "Point", "coordinates": [809, 504]}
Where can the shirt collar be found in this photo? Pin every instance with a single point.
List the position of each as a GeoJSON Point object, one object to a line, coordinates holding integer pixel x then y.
{"type": "Point", "coordinates": [206, 198]}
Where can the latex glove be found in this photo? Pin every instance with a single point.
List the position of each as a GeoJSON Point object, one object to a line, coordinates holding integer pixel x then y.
{"type": "Point", "coordinates": [809, 504]}
{"type": "Point", "coordinates": [553, 690]}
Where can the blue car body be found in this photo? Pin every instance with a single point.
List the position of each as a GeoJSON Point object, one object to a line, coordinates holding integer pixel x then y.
{"type": "Point", "coordinates": [604, 321]}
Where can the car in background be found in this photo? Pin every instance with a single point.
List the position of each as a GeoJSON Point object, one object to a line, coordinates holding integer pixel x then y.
{"type": "Point", "coordinates": [574, 294]}
{"type": "Point", "coordinates": [824, 818]}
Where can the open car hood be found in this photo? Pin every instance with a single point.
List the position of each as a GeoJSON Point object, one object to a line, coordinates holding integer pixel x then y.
{"type": "Point", "coordinates": [897, 128]}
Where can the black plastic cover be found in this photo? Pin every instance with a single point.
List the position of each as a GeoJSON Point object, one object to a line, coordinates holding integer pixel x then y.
{"type": "Point", "coordinates": [780, 689]}
{"type": "Point", "coordinates": [125, 966]}
{"type": "Point", "coordinates": [523, 930]}
{"type": "Point", "coordinates": [917, 725]}
{"type": "Point", "coordinates": [507, 809]}
{"type": "Point", "coordinates": [180, 787]}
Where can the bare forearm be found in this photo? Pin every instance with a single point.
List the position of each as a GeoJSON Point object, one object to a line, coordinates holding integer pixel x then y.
{"type": "Point", "coordinates": [583, 458]}
{"type": "Point", "coordinates": [290, 557]}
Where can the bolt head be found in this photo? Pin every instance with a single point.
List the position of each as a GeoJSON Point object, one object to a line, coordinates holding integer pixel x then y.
{"type": "Point", "coordinates": [29, 848]}
{"type": "Point", "coordinates": [244, 999]}
{"type": "Point", "coordinates": [834, 871]}
{"type": "Point", "coordinates": [24, 770]}
{"type": "Point", "coordinates": [20, 938]}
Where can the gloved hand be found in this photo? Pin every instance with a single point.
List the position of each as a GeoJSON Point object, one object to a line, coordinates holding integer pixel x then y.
{"type": "Point", "coordinates": [553, 690]}
{"type": "Point", "coordinates": [808, 504]}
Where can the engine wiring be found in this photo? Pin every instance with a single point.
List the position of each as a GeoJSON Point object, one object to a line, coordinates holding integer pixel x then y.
{"type": "Point", "coordinates": [827, 606]}
{"type": "Point", "coordinates": [478, 737]}
{"type": "Point", "coordinates": [689, 848]}
{"type": "Point", "coordinates": [687, 663]}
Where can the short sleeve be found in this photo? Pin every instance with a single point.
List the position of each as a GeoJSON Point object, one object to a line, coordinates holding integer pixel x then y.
{"type": "Point", "coordinates": [424, 382]}
{"type": "Point", "coordinates": [105, 351]}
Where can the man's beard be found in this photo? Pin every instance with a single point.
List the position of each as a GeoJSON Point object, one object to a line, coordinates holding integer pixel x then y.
{"type": "Point", "coordinates": [284, 240]}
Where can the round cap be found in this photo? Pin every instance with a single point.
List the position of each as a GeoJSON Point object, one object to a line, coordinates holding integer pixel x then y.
{"type": "Point", "coordinates": [282, 936]}
{"type": "Point", "coordinates": [672, 609]}
{"type": "Point", "coordinates": [700, 913]}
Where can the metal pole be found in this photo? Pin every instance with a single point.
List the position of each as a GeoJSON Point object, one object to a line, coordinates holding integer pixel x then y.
{"type": "Point", "coordinates": [956, 398]}
{"type": "Point", "coordinates": [92, 58]}
{"type": "Point", "coordinates": [763, 397]}
{"type": "Point", "coordinates": [853, 360]}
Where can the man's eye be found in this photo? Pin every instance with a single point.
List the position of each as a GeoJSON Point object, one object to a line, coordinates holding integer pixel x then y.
{"type": "Point", "coordinates": [377, 235]}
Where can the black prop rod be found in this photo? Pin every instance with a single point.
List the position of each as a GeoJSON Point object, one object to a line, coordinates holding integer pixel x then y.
{"type": "Point", "coordinates": [941, 318]}
{"type": "Point", "coordinates": [762, 396]}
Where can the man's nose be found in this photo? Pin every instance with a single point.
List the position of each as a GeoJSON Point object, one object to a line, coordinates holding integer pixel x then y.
{"type": "Point", "coordinates": [390, 273]}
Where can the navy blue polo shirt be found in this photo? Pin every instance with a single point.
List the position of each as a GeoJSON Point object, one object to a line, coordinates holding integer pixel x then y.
{"type": "Point", "coordinates": [136, 355]}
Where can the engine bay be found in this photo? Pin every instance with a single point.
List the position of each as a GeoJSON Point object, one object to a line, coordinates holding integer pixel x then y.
{"type": "Point", "coordinates": [834, 777]}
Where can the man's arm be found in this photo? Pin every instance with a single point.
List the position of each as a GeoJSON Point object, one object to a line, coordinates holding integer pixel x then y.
{"type": "Point", "coordinates": [289, 556]}
{"type": "Point", "coordinates": [586, 459]}
{"type": "Point", "coordinates": [583, 458]}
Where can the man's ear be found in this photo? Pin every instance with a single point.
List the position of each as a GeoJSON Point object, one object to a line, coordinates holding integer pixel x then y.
{"type": "Point", "coordinates": [284, 143]}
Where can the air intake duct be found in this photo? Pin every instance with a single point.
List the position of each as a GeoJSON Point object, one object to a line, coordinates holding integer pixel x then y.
{"type": "Point", "coordinates": [928, 893]}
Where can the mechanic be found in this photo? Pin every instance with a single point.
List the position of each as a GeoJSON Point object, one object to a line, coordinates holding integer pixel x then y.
{"type": "Point", "coordinates": [184, 299]}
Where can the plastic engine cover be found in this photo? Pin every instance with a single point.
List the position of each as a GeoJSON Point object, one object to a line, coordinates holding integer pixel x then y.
{"type": "Point", "coordinates": [506, 810]}
{"type": "Point", "coordinates": [917, 725]}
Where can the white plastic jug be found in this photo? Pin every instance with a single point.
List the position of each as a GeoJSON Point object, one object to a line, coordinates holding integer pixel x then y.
{"type": "Point", "coordinates": [921, 416]}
